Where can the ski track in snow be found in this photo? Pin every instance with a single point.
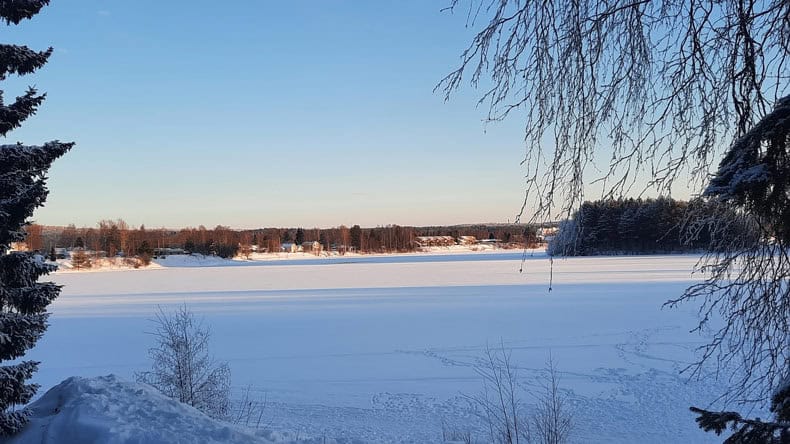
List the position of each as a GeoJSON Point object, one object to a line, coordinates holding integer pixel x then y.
{"type": "Point", "coordinates": [384, 350]}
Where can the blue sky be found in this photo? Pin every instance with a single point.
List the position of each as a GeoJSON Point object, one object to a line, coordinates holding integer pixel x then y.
{"type": "Point", "coordinates": [263, 114]}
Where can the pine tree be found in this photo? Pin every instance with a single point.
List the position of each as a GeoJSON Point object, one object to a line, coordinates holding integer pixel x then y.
{"type": "Point", "coordinates": [322, 239]}
{"type": "Point", "coordinates": [754, 176]}
{"type": "Point", "coordinates": [145, 252]}
{"type": "Point", "coordinates": [755, 431]}
{"type": "Point", "coordinates": [356, 237]}
{"type": "Point", "coordinates": [755, 173]}
{"type": "Point", "coordinates": [23, 300]}
{"type": "Point", "coordinates": [79, 259]}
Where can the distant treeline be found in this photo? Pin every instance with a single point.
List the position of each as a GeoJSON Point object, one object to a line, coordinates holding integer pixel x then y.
{"type": "Point", "coordinates": [636, 226]}
{"type": "Point", "coordinates": [113, 237]}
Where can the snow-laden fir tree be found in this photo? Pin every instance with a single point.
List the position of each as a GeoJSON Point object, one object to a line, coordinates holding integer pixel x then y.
{"type": "Point", "coordinates": [754, 176]}
{"type": "Point", "coordinates": [755, 173]}
{"type": "Point", "coordinates": [23, 168]}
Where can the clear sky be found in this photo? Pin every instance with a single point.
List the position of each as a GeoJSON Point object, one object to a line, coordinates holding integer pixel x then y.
{"type": "Point", "coordinates": [259, 113]}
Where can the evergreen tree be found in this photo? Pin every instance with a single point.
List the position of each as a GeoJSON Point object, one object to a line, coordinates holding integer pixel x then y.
{"type": "Point", "coordinates": [79, 259]}
{"type": "Point", "coordinates": [23, 300]}
{"type": "Point", "coordinates": [754, 176]}
{"type": "Point", "coordinates": [636, 226]}
{"type": "Point", "coordinates": [324, 241]}
{"type": "Point", "coordinates": [145, 252]}
{"type": "Point", "coordinates": [299, 236]}
{"type": "Point", "coordinates": [757, 431]}
{"type": "Point", "coordinates": [755, 173]}
{"type": "Point", "coordinates": [355, 233]}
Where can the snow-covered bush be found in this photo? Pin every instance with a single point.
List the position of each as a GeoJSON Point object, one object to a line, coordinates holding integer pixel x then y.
{"type": "Point", "coordinates": [564, 242]}
{"type": "Point", "coordinates": [505, 413]}
{"type": "Point", "coordinates": [182, 367]}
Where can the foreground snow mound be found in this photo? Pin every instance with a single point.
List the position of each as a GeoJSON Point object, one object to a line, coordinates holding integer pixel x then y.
{"type": "Point", "coordinates": [110, 410]}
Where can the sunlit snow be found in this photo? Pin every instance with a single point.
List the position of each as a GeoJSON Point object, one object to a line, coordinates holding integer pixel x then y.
{"type": "Point", "coordinates": [383, 348]}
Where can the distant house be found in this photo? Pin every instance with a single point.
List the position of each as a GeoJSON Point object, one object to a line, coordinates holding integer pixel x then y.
{"type": "Point", "coordinates": [289, 247]}
{"type": "Point", "coordinates": [434, 241]}
{"type": "Point", "coordinates": [314, 247]}
{"type": "Point", "coordinates": [546, 234]}
{"type": "Point", "coordinates": [168, 251]}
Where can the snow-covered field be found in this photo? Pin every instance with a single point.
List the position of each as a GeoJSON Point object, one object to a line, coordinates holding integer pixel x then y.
{"type": "Point", "coordinates": [383, 348]}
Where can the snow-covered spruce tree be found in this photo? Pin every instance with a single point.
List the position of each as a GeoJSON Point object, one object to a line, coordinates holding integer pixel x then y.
{"type": "Point", "coordinates": [754, 177]}
{"type": "Point", "coordinates": [754, 431]}
{"type": "Point", "coordinates": [755, 173]}
{"type": "Point", "coordinates": [23, 300]}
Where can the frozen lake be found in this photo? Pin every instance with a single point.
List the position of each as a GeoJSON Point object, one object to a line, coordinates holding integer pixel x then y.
{"type": "Point", "coordinates": [384, 348]}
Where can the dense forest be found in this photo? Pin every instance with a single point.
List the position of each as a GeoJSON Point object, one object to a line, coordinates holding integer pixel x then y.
{"type": "Point", "coordinates": [116, 237]}
{"type": "Point", "coordinates": [637, 226]}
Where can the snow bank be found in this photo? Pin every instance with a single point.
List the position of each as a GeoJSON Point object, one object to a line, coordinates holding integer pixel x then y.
{"type": "Point", "coordinates": [98, 265]}
{"type": "Point", "coordinates": [192, 260]}
{"type": "Point", "coordinates": [107, 409]}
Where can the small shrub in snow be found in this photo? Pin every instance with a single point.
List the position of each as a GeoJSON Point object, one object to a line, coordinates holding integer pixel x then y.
{"type": "Point", "coordinates": [248, 410]}
{"type": "Point", "coordinates": [456, 435]}
{"type": "Point", "coordinates": [504, 412]}
{"type": "Point", "coordinates": [182, 367]}
{"type": "Point", "coordinates": [131, 262]}
{"type": "Point", "coordinates": [501, 405]}
{"type": "Point", "coordinates": [551, 419]}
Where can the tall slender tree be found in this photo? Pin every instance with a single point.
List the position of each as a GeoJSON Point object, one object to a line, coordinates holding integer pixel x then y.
{"type": "Point", "coordinates": [23, 168]}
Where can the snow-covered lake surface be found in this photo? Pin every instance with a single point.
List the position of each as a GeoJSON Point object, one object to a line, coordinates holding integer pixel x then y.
{"type": "Point", "coordinates": [384, 348]}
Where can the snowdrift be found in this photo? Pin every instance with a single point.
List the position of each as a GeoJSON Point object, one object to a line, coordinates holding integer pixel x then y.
{"type": "Point", "coordinates": [110, 410]}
